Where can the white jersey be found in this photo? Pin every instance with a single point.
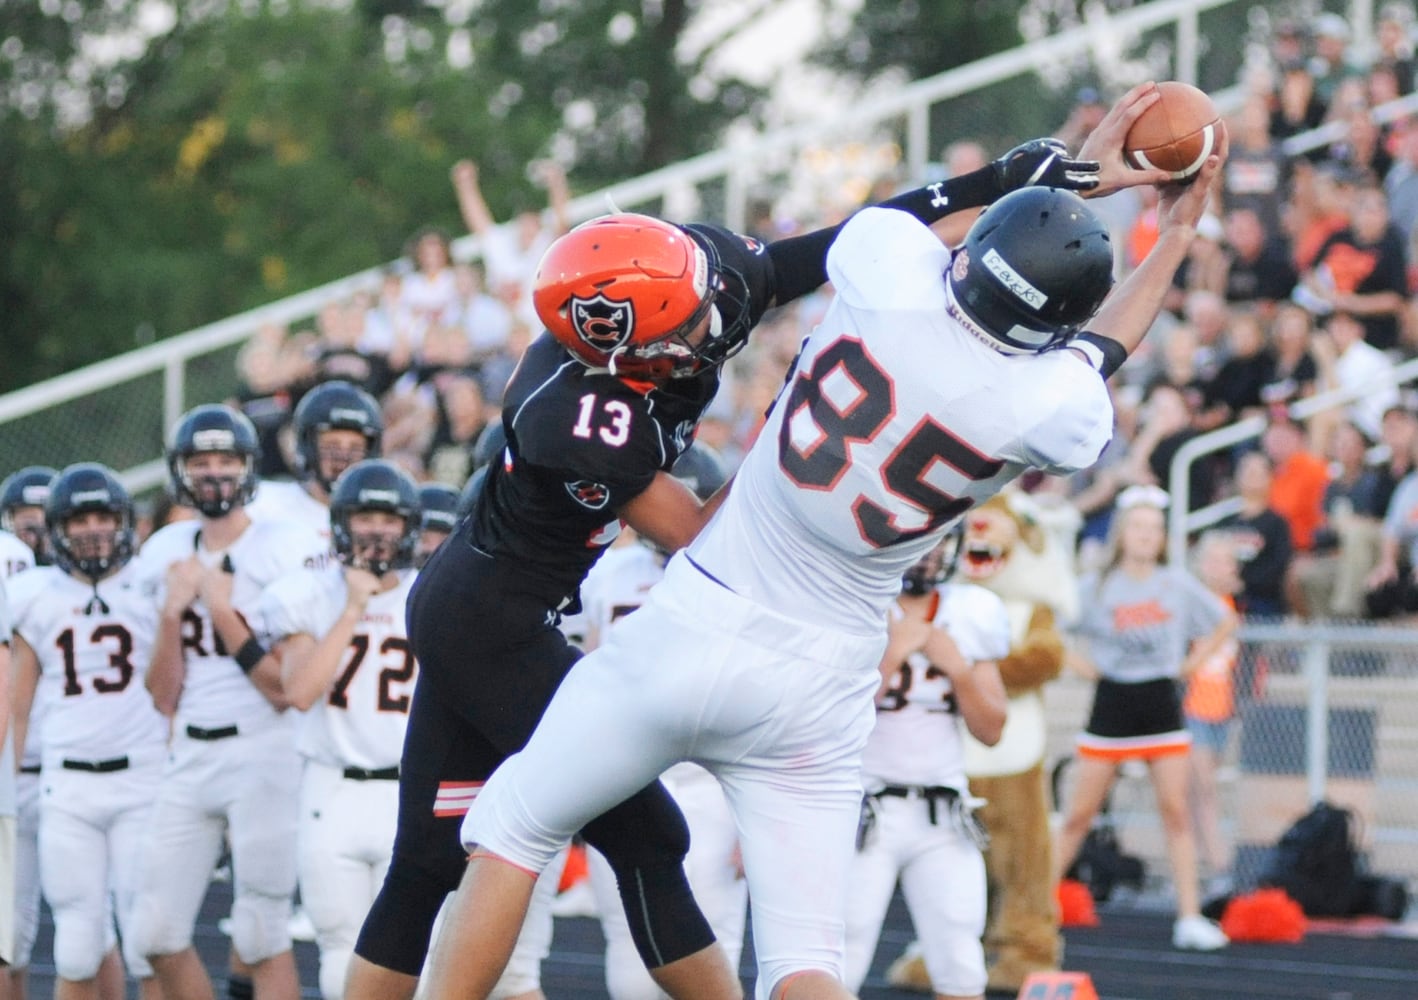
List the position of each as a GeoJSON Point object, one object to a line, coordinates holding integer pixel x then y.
{"type": "Point", "coordinates": [361, 720]}
{"type": "Point", "coordinates": [8, 805]}
{"type": "Point", "coordinates": [215, 692]}
{"type": "Point", "coordinates": [918, 738]}
{"type": "Point", "coordinates": [283, 500]}
{"type": "Point", "coordinates": [895, 420]}
{"type": "Point", "coordinates": [618, 584]}
{"type": "Point", "coordinates": [15, 555]}
{"type": "Point", "coordinates": [93, 654]}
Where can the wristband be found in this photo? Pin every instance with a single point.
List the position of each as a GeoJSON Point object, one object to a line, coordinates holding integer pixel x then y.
{"type": "Point", "coordinates": [250, 654]}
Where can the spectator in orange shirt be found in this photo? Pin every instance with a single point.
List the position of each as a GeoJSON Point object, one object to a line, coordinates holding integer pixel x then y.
{"type": "Point", "coordinates": [1299, 480]}
{"type": "Point", "coordinates": [1209, 706]}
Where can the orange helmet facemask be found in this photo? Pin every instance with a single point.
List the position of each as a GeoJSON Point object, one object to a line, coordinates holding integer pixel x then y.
{"type": "Point", "coordinates": [624, 292]}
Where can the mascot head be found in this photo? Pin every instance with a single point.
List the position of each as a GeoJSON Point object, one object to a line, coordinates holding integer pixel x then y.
{"type": "Point", "coordinates": [1007, 550]}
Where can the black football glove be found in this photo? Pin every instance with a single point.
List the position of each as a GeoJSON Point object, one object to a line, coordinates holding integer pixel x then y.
{"type": "Point", "coordinates": [1046, 163]}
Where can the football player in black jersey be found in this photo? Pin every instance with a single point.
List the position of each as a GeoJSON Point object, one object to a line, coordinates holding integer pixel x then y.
{"type": "Point", "coordinates": [640, 315]}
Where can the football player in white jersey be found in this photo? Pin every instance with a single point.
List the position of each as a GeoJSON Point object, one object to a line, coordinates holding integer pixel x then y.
{"type": "Point", "coordinates": [930, 383]}
{"type": "Point", "coordinates": [336, 424]}
{"type": "Point", "coordinates": [23, 495]}
{"type": "Point", "coordinates": [234, 769]}
{"type": "Point", "coordinates": [7, 807]}
{"type": "Point", "coordinates": [23, 544]}
{"type": "Point", "coordinates": [345, 660]}
{"type": "Point", "coordinates": [940, 672]}
{"type": "Point", "coordinates": [439, 503]}
{"type": "Point", "coordinates": [15, 555]}
{"type": "Point", "coordinates": [83, 632]}
{"type": "Point", "coordinates": [615, 587]}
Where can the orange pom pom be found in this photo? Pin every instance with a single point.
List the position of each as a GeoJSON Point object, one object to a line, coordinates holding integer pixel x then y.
{"type": "Point", "coordinates": [575, 870]}
{"type": "Point", "coordinates": [1264, 915]}
{"type": "Point", "coordinates": [1075, 904]}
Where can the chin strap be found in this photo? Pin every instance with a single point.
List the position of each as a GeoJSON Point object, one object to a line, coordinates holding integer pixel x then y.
{"type": "Point", "coordinates": [96, 600]}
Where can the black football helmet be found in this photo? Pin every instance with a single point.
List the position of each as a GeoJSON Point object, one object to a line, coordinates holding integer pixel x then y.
{"type": "Point", "coordinates": [440, 515]}
{"type": "Point", "coordinates": [374, 484]}
{"type": "Point", "coordinates": [213, 428]}
{"type": "Point", "coordinates": [29, 487]}
{"type": "Point", "coordinates": [701, 469]}
{"type": "Point", "coordinates": [335, 405]}
{"type": "Point", "coordinates": [79, 489]}
{"type": "Point", "coordinates": [936, 566]}
{"type": "Point", "coordinates": [1035, 266]}
{"type": "Point", "coordinates": [439, 502]}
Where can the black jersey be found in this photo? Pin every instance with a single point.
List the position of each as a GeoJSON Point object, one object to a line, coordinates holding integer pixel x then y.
{"type": "Point", "coordinates": [582, 443]}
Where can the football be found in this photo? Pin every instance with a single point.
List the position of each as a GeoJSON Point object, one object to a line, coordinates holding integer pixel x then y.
{"type": "Point", "coordinates": [1176, 134]}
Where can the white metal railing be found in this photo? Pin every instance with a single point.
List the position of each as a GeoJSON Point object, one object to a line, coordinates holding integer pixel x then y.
{"type": "Point", "coordinates": [735, 166]}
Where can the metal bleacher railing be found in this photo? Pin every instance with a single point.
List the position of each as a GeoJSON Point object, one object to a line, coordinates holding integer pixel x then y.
{"type": "Point", "coordinates": [116, 410]}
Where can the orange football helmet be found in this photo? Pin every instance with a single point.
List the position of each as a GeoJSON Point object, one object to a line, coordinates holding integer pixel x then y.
{"type": "Point", "coordinates": [623, 292]}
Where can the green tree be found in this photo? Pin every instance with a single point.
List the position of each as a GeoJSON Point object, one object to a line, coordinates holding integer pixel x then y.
{"type": "Point", "coordinates": [920, 37]}
{"type": "Point", "coordinates": [255, 148]}
{"type": "Point", "coordinates": [627, 95]}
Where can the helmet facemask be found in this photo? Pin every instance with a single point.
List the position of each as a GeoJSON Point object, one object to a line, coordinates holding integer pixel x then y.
{"type": "Point", "coordinates": [27, 524]}
{"type": "Point", "coordinates": [672, 355]}
{"type": "Point", "coordinates": [336, 449]}
{"type": "Point", "coordinates": [936, 567]}
{"type": "Point", "coordinates": [215, 488]}
{"type": "Point", "coordinates": [375, 517]}
{"type": "Point", "coordinates": [96, 547]}
{"type": "Point", "coordinates": [376, 540]}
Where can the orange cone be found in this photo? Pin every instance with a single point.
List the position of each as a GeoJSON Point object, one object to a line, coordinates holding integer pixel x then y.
{"type": "Point", "coordinates": [1058, 986]}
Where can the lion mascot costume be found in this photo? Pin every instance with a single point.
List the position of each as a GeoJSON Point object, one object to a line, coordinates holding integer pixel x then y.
{"type": "Point", "coordinates": [1011, 548]}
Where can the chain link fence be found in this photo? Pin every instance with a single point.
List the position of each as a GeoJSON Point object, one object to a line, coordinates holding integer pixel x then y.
{"type": "Point", "coordinates": [1324, 711]}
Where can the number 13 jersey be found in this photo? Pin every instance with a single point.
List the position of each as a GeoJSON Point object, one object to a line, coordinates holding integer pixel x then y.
{"type": "Point", "coordinates": [93, 645]}
{"type": "Point", "coordinates": [896, 419]}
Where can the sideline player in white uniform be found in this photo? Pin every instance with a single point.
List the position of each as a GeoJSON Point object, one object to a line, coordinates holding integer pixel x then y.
{"type": "Point", "coordinates": [23, 495]}
{"type": "Point", "coordinates": [15, 555]}
{"type": "Point", "coordinates": [615, 587]}
{"type": "Point", "coordinates": [439, 504]}
{"type": "Point", "coordinates": [336, 424]}
{"type": "Point", "coordinates": [233, 767]}
{"type": "Point", "coordinates": [940, 673]}
{"type": "Point", "coordinates": [930, 383]}
{"type": "Point", "coordinates": [83, 634]}
{"type": "Point", "coordinates": [7, 805]}
{"type": "Point", "coordinates": [24, 543]}
{"type": "Point", "coordinates": [345, 660]}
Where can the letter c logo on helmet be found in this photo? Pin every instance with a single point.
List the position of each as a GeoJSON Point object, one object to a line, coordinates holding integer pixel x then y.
{"type": "Point", "coordinates": [601, 323]}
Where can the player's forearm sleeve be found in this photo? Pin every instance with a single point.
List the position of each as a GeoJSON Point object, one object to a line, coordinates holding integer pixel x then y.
{"type": "Point", "coordinates": [800, 262]}
{"type": "Point", "coordinates": [1103, 353]}
{"type": "Point", "coordinates": [935, 201]}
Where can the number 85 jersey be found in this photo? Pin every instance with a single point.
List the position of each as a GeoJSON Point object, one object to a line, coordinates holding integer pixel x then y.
{"type": "Point", "coordinates": [895, 420]}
